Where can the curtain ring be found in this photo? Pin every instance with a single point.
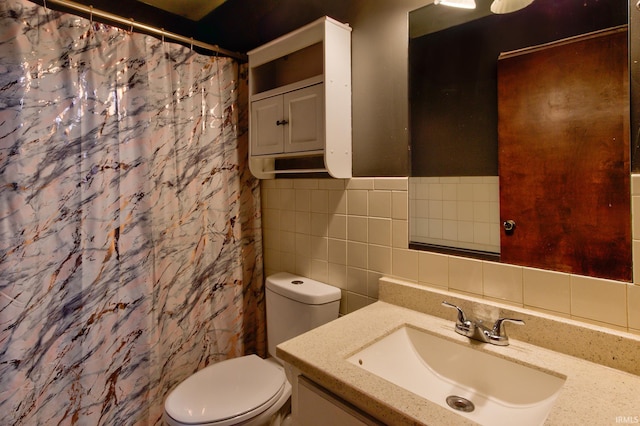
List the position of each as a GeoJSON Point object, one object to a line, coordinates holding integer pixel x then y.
{"type": "Point", "coordinates": [90, 21]}
{"type": "Point", "coordinates": [162, 33]}
{"type": "Point", "coordinates": [192, 44]}
{"type": "Point", "coordinates": [131, 28]}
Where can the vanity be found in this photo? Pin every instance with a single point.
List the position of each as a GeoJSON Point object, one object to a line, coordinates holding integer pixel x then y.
{"type": "Point", "coordinates": [571, 372]}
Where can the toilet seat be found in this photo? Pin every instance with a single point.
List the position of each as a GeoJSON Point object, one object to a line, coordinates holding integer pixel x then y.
{"type": "Point", "coordinates": [226, 393]}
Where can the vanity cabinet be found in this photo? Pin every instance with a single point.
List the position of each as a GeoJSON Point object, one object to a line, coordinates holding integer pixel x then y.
{"type": "Point", "coordinates": [318, 407]}
{"type": "Point", "coordinates": [300, 102]}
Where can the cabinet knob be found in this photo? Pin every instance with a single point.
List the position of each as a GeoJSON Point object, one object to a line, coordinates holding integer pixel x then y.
{"type": "Point", "coordinates": [281, 122]}
{"type": "Point", "coordinates": [509, 226]}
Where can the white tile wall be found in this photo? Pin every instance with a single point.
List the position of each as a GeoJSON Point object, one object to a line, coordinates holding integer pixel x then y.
{"type": "Point", "coordinates": [351, 232]}
{"type": "Point", "coordinates": [456, 212]}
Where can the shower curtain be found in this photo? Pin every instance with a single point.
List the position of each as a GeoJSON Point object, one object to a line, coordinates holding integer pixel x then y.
{"type": "Point", "coordinates": [130, 246]}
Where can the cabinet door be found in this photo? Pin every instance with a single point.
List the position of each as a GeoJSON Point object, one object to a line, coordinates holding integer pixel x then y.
{"type": "Point", "coordinates": [304, 111]}
{"type": "Point", "coordinates": [318, 407]}
{"type": "Point", "coordinates": [267, 136]}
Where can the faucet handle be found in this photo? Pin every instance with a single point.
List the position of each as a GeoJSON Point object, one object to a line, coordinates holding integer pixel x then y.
{"type": "Point", "coordinates": [462, 319]}
{"type": "Point", "coordinates": [498, 333]}
{"type": "Point", "coordinates": [498, 327]}
{"type": "Point", "coordinates": [463, 325]}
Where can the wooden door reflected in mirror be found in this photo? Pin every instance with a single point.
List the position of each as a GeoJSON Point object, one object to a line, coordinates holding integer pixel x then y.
{"type": "Point", "coordinates": [565, 185]}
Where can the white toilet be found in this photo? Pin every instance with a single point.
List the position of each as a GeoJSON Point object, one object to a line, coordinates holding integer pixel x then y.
{"type": "Point", "coordinates": [249, 390]}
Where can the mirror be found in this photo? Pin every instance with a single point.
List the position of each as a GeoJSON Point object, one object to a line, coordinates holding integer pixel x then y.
{"type": "Point", "coordinates": [453, 55]}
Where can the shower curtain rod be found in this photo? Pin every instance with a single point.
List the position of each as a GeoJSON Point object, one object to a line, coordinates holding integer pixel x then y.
{"type": "Point", "coordinates": [92, 12]}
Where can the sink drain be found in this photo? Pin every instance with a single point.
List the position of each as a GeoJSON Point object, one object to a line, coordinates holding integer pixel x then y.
{"type": "Point", "coordinates": [460, 404]}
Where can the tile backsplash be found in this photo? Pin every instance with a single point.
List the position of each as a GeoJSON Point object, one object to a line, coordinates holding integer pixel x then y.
{"type": "Point", "coordinates": [456, 212]}
{"type": "Point", "coordinates": [349, 233]}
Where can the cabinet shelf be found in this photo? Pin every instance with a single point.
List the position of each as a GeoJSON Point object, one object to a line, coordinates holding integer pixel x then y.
{"type": "Point", "coordinates": [300, 101]}
{"type": "Point", "coordinates": [292, 171]}
{"type": "Point", "coordinates": [292, 154]}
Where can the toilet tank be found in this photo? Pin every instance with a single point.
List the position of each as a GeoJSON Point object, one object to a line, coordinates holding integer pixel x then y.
{"type": "Point", "coordinates": [297, 304]}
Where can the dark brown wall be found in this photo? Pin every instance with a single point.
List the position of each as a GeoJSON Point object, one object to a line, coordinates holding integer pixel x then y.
{"type": "Point", "coordinates": [453, 82]}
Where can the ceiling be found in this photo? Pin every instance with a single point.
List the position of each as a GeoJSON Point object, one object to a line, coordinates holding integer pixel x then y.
{"type": "Point", "coordinates": [241, 25]}
{"type": "Point", "coordinates": [190, 9]}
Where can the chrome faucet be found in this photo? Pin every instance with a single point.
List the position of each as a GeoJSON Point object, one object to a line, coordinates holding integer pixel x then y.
{"type": "Point", "coordinates": [475, 329]}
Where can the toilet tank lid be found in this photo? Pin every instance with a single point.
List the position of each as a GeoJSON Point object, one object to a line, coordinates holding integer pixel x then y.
{"type": "Point", "coordinates": [302, 289]}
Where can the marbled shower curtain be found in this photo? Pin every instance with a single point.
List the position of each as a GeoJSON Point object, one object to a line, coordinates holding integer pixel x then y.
{"type": "Point", "coordinates": [130, 247]}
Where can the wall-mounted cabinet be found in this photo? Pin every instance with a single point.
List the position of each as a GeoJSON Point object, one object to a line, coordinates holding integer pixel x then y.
{"type": "Point", "coordinates": [300, 101]}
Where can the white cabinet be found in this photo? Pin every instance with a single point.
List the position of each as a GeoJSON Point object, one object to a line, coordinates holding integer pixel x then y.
{"type": "Point", "coordinates": [267, 131]}
{"type": "Point", "coordinates": [300, 102]}
{"type": "Point", "coordinates": [318, 407]}
{"type": "Point", "coordinates": [288, 123]}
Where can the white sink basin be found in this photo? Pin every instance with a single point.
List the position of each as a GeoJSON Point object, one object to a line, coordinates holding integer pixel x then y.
{"type": "Point", "coordinates": [502, 392]}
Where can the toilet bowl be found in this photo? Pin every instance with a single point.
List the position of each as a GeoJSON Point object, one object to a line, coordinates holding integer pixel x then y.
{"type": "Point", "coordinates": [249, 390]}
{"type": "Point", "coordinates": [240, 391]}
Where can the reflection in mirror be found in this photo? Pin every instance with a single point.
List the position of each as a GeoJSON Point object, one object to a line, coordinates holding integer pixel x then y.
{"type": "Point", "coordinates": [453, 56]}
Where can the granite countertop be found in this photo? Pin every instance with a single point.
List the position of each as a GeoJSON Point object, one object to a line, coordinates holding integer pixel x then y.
{"type": "Point", "coordinates": [592, 394]}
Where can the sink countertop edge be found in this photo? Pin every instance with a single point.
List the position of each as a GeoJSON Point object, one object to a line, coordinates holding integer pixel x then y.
{"type": "Point", "coordinates": [592, 393]}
